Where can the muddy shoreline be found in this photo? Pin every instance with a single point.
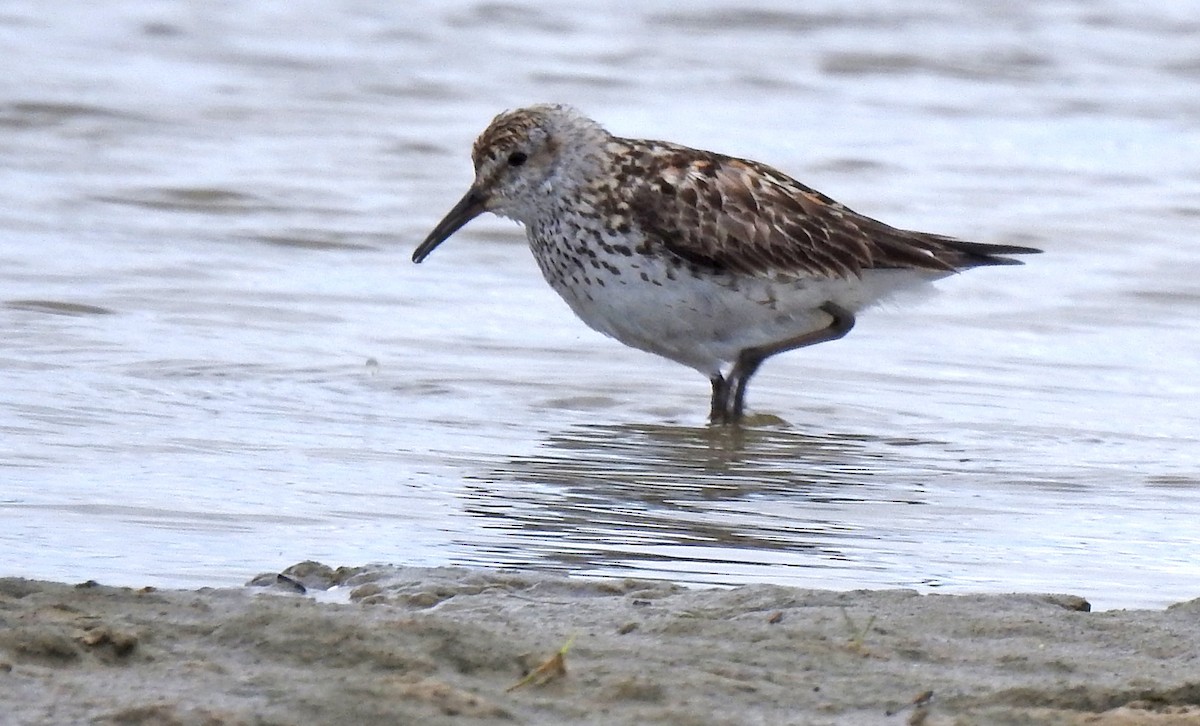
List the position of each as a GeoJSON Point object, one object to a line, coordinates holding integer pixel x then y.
{"type": "Point", "coordinates": [451, 645]}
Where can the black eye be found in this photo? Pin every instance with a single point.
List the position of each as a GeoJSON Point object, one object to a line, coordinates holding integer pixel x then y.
{"type": "Point", "coordinates": [517, 158]}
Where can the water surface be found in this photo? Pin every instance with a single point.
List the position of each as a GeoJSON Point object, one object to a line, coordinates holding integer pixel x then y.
{"type": "Point", "coordinates": [218, 360]}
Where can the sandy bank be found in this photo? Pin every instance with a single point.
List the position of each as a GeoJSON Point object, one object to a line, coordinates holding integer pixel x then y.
{"type": "Point", "coordinates": [447, 646]}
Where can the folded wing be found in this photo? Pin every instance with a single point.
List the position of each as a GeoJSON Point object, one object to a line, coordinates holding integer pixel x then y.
{"type": "Point", "coordinates": [726, 214]}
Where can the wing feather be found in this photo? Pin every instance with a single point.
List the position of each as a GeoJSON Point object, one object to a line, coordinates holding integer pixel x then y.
{"type": "Point", "coordinates": [727, 214]}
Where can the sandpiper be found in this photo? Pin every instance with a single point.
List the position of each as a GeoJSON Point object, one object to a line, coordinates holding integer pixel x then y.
{"type": "Point", "coordinates": [708, 260]}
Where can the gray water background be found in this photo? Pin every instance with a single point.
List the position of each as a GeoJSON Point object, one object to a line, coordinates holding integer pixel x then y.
{"type": "Point", "coordinates": [217, 359]}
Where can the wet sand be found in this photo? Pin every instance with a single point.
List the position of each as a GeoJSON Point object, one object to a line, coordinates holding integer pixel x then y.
{"type": "Point", "coordinates": [449, 646]}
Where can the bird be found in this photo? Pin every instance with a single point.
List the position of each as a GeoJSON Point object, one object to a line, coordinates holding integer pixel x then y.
{"type": "Point", "coordinates": [712, 261]}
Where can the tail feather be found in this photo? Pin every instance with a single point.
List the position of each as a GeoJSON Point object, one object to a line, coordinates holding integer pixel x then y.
{"type": "Point", "coordinates": [979, 254]}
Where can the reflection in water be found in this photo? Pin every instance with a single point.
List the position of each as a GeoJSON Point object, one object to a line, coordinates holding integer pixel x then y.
{"type": "Point", "coordinates": [656, 498]}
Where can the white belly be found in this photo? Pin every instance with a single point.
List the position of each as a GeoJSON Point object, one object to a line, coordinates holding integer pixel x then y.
{"type": "Point", "coordinates": [703, 321]}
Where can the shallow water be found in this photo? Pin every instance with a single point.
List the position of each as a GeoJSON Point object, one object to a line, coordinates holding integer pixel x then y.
{"type": "Point", "coordinates": [218, 359]}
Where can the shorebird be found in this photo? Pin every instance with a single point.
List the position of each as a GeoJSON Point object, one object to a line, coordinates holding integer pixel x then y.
{"type": "Point", "coordinates": [711, 261]}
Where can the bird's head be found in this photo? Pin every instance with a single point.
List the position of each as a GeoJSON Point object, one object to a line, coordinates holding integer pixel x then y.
{"type": "Point", "coordinates": [519, 162]}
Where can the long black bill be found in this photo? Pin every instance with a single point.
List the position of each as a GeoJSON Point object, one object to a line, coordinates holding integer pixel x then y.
{"type": "Point", "coordinates": [468, 208]}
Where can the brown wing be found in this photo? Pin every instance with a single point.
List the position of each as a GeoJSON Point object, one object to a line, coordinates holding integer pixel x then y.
{"type": "Point", "coordinates": [739, 216]}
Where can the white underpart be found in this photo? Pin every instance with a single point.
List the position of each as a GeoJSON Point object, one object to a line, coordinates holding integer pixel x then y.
{"type": "Point", "coordinates": [705, 321]}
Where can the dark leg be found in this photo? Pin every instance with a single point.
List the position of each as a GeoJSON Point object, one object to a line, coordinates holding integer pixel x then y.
{"type": "Point", "coordinates": [720, 391]}
{"type": "Point", "coordinates": [733, 387]}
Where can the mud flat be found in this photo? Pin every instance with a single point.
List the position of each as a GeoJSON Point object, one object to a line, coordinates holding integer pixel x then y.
{"type": "Point", "coordinates": [316, 645]}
